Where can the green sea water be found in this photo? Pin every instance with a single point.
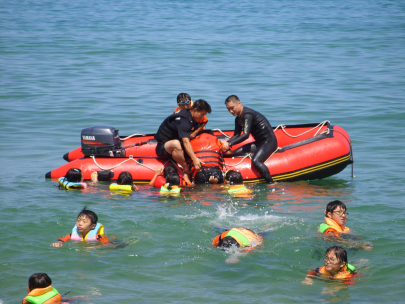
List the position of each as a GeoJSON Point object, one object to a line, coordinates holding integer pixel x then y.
{"type": "Point", "coordinates": [68, 65]}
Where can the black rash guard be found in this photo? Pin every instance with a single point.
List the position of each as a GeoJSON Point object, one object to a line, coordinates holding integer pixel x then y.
{"type": "Point", "coordinates": [176, 126]}
{"type": "Point", "coordinates": [252, 122]}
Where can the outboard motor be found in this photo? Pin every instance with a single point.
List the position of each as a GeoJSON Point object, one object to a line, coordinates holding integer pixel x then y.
{"type": "Point", "coordinates": [101, 141]}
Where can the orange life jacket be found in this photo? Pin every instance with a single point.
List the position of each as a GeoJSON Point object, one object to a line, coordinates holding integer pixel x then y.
{"type": "Point", "coordinates": [206, 147]}
{"type": "Point", "coordinates": [344, 273]}
{"type": "Point", "coordinates": [47, 295]}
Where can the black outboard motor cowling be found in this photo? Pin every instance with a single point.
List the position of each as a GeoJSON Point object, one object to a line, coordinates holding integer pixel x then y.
{"type": "Point", "coordinates": [101, 141]}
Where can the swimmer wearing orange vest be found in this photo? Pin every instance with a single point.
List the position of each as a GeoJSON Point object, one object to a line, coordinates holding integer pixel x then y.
{"type": "Point", "coordinates": [184, 102]}
{"type": "Point", "coordinates": [336, 267]}
{"type": "Point", "coordinates": [236, 186]}
{"type": "Point", "coordinates": [335, 218]}
{"type": "Point", "coordinates": [40, 291]}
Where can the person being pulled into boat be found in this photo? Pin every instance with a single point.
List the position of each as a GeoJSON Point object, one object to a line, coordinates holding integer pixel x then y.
{"type": "Point", "coordinates": [207, 147]}
{"type": "Point", "coordinates": [251, 122]}
{"type": "Point", "coordinates": [173, 136]}
{"type": "Point", "coordinates": [86, 230]}
{"type": "Point", "coordinates": [40, 290]}
{"type": "Point", "coordinates": [242, 238]}
{"type": "Point", "coordinates": [336, 267]}
{"type": "Point", "coordinates": [172, 185]}
{"type": "Point", "coordinates": [184, 102]}
{"type": "Point", "coordinates": [236, 186]}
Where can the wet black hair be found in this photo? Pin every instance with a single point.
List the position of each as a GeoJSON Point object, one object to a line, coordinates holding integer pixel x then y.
{"type": "Point", "coordinates": [228, 174]}
{"type": "Point", "coordinates": [172, 179]}
{"type": "Point", "coordinates": [183, 97]}
{"type": "Point", "coordinates": [201, 105]}
{"type": "Point", "coordinates": [74, 175]}
{"type": "Point", "coordinates": [203, 176]}
{"type": "Point", "coordinates": [170, 168]}
{"type": "Point", "coordinates": [90, 214]}
{"type": "Point", "coordinates": [340, 253]}
{"type": "Point", "coordinates": [125, 178]}
{"type": "Point", "coordinates": [232, 98]}
{"type": "Point", "coordinates": [235, 178]}
{"type": "Point", "coordinates": [331, 206]}
{"type": "Point", "coordinates": [228, 241]}
{"type": "Point", "coordinates": [39, 280]}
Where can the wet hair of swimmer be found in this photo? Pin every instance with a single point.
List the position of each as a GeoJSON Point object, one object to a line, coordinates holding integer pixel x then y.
{"type": "Point", "coordinates": [236, 178]}
{"type": "Point", "coordinates": [74, 175]}
{"type": "Point", "coordinates": [201, 105]}
{"type": "Point", "coordinates": [125, 178]}
{"type": "Point", "coordinates": [90, 214]}
{"type": "Point", "coordinates": [331, 206]}
{"type": "Point", "coordinates": [228, 174]}
{"type": "Point", "coordinates": [227, 242]}
{"type": "Point", "coordinates": [339, 252]}
{"type": "Point", "coordinates": [39, 280]}
{"type": "Point", "coordinates": [172, 179]}
{"type": "Point", "coordinates": [203, 176]}
{"type": "Point", "coordinates": [169, 169]}
{"type": "Point", "coordinates": [232, 98]}
{"type": "Point", "coordinates": [183, 97]}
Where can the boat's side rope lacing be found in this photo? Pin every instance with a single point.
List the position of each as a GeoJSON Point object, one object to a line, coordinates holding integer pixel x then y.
{"type": "Point", "coordinates": [128, 159]}
{"type": "Point", "coordinates": [250, 156]}
{"type": "Point", "coordinates": [319, 125]}
{"type": "Point", "coordinates": [219, 130]}
{"type": "Point", "coordinates": [136, 134]}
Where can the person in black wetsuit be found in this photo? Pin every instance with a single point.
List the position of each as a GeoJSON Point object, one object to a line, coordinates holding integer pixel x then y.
{"type": "Point", "coordinates": [176, 128]}
{"type": "Point", "coordinates": [251, 122]}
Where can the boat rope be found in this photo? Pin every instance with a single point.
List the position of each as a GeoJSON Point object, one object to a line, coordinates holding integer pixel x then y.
{"type": "Point", "coordinates": [351, 150]}
{"type": "Point", "coordinates": [219, 130]}
{"type": "Point", "coordinates": [319, 125]}
{"type": "Point", "coordinates": [136, 134]}
{"type": "Point", "coordinates": [128, 159]}
{"type": "Point", "coordinates": [250, 156]}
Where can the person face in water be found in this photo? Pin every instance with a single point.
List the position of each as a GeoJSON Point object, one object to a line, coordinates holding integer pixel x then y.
{"type": "Point", "coordinates": [84, 224]}
{"type": "Point", "coordinates": [339, 215]}
{"type": "Point", "coordinates": [332, 263]}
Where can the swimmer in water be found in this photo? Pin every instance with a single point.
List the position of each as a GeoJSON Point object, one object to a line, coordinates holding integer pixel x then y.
{"type": "Point", "coordinates": [336, 267]}
{"type": "Point", "coordinates": [40, 290]}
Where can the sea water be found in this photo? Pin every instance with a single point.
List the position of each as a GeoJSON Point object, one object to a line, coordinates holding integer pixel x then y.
{"type": "Point", "coordinates": [68, 65]}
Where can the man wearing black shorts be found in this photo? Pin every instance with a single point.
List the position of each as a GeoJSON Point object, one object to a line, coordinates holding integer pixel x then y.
{"type": "Point", "coordinates": [251, 122]}
{"type": "Point", "coordinates": [177, 127]}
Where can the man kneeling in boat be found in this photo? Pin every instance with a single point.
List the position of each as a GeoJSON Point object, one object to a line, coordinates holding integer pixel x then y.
{"type": "Point", "coordinates": [251, 122]}
{"type": "Point", "coordinates": [177, 127]}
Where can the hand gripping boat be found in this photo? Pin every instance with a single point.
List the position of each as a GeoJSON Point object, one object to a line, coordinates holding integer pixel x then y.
{"type": "Point", "coordinates": [305, 152]}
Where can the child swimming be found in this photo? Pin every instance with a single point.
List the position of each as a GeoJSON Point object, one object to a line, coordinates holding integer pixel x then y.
{"type": "Point", "coordinates": [336, 267]}
{"type": "Point", "coordinates": [335, 218]}
{"type": "Point", "coordinates": [73, 179]}
{"type": "Point", "coordinates": [172, 185]}
{"type": "Point", "coordinates": [236, 186]}
{"type": "Point", "coordinates": [40, 290]}
{"type": "Point", "coordinates": [86, 230]}
{"type": "Point", "coordinates": [124, 182]}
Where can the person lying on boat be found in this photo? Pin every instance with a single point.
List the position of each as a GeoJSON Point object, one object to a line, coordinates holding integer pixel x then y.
{"type": "Point", "coordinates": [159, 179]}
{"type": "Point", "coordinates": [336, 216]}
{"type": "Point", "coordinates": [336, 267]}
{"type": "Point", "coordinates": [251, 122]}
{"type": "Point", "coordinates": [184, 102]}
{"type": "Point", "coordinates": [86, 230]}
{"type": "Point", "coordinates": [73, 180]}
{"type": "Point", "coordinates": [241, 238]}
{"type": "Point", "coordinates": [172, 185]}
{"type": "Point", "coordinates": [207, 147]}
{"type": "Point", "coordinates": [173, 136]}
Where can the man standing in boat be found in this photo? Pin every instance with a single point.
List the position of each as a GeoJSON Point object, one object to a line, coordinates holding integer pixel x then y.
{"type": "Point", "coordinates": [173, 136]}
{"type": "Point", "coordinates": [251, 122]}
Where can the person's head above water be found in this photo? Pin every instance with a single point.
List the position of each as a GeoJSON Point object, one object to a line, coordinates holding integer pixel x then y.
{"type": "Point", "coordinates": [335, 259]}
{"type": "Point", "coordinates": [39, 280]}
{"type": "Point", "coordinates": [74, 175]}
{"type": "Point", "coordinates": [235, 178]}
{"type": "Point", "coordinates": [169, 169]}
{"type": "Point", "coordinates": [227, 175]}
{"type": "Point", "coordinates": [234, 105]}
{"type": "Point", "coordinates": [125, 178]}
{"type": "Point", "coordinates": [336, 210]}
{"type": "Point", "coordinates": [86, 221]}
{"type": "Point", "coordinates": [184, 101]}
{"type": "Point", "coordinates": [203, 176]}
{"type": "Point", "coordinates": [172, 179]}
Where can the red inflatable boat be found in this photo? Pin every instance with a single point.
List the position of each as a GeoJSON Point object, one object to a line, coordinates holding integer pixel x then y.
{"type": "Point", "coordinates": [307, 151]}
